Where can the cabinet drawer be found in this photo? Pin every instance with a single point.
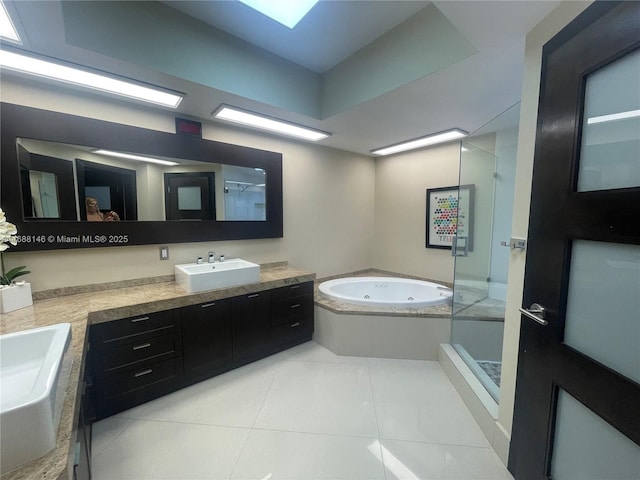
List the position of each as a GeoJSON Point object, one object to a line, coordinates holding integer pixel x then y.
{"type": "Point", "coordinates": [144, 375]}
{"type": "Point", "coordinates": [292, 332]}
{"type": "Point", "coordinates": [145, 348]}
{"type": "Point", "coordinates": [125, 331]}
{"type": "Point", "coordinates": [290, 304]}
{"type": "Point", "coordinates": [290, 291]}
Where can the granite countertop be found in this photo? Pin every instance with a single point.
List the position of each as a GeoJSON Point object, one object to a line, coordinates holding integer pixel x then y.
{"type": "Point", "coordinates": [96, 305]}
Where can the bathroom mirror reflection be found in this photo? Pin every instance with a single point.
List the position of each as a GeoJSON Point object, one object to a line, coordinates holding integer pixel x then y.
{"type": "Point", "coordinates": [84, 183]}
{"type": "Point", "coordinates": [51, 172]}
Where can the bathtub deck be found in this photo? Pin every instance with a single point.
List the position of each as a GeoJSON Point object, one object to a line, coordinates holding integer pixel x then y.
{"type": "Point", "coordinates": [435, 311]}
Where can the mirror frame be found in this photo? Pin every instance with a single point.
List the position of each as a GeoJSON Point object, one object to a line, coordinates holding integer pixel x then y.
{"type": "Point", "coordinates": [26, 122]}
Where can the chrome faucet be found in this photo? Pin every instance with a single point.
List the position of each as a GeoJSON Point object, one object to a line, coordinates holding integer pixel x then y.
{"type": "Point", "coordinates": [212, 257]}
{"type": "Point", "coordinates": [199, 260]}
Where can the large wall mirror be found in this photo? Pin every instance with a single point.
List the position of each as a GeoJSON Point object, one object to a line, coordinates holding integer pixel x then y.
{"type": "Point", "coordinates": [73, 182]}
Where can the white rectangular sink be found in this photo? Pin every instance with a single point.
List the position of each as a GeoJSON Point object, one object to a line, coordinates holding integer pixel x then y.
{"type": "Point", "coordinates": [198, 277]}
{"type": "Point", "coordinates": [34, 374]}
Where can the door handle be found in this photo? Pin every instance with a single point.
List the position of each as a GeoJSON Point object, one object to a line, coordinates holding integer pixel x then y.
{"type": "Point", "coordinates": [535, 312]}
{"type": "Point", "coordinates": [460, 249]}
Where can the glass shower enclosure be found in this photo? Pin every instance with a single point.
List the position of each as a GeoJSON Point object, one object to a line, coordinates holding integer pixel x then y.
{"type": "Point", "coordinates": [487, 177]}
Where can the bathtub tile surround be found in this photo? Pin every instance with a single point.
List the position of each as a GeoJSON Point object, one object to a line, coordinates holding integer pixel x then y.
{"type": "Point", "coordinates": [387, 336]}
{"type": "Point", "coordinates": [381, 331]}
{"type": "Point", "coordinates": [302, 427]}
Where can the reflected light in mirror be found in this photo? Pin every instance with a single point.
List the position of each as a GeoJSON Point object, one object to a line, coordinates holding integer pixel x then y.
{"type": "Point", "coordinates": [614, 116]}
{"type": "Point", "coordinates": [140, 158]}
{"type": "Point", "coordinates": [264, 123]}
{"type": "Point", "coordinates": [54, 71]}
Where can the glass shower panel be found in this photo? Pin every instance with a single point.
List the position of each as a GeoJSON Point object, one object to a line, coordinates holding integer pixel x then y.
{"type": "Point", "coordinates": [487, 163]}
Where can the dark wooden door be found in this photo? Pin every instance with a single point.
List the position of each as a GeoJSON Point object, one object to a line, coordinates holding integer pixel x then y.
{"type": "Point", "coordinates": [577, 403]}
{"type": "Point", "coordinates": [190, 196]}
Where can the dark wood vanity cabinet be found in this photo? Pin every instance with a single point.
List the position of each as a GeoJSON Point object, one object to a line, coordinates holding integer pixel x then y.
{"type": "Point", "coordinates": [206, 337]}
{"type": "Point", "coordinates": [268, 322]}
{"type": "Point", "coordinates": [291, 315]}
{"type": "Point", "coordinates": [134, 360]}
{"type": "Point", "coordinates": [140, 358]}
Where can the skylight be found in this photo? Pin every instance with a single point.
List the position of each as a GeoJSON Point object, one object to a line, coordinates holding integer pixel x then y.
{"type": "Point", "coordinates": [286, 12]}
{"type": "Point", "coordinates": [7, 30]}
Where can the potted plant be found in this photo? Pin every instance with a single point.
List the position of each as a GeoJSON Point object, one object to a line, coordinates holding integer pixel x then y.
{"type": "Point", "coordinates": [13, 295]}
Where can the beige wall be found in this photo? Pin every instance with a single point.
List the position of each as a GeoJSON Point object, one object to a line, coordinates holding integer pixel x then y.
{"type": "Point", "coordinates": [544, 31]}
{"type": "Point", "coordinates": [400, 207]}
{"type": "Point", "coordinates": [328, 204]}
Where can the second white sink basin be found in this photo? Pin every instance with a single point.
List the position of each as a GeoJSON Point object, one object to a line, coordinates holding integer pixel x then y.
{"type": "Point", "coordinates": [34, 374]}
{"type": "Point", "coordinates": [195, 277]}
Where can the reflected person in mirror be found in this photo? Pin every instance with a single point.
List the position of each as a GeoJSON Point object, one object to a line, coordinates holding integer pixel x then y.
{"type": "Point", "coordinates": [95, 215]}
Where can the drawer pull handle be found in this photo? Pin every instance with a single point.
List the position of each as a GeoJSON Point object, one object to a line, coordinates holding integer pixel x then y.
{"type": "Point", "coordinates": [294, 325]}
{"type": "Point", "coordinates": [143, 373]}
{"type": "Point", "coordinates": [293, 287]}
{"type": "Point", "coordinates": [140, 347]}
{"type": "Point", "coordinates": [207, 305]}
{"type": "Point", "coordinates": [254, 295]}
{"type": "Point", "coordinates": [141, 319]}
{"type": "Point", "coordinates": [295, 306]}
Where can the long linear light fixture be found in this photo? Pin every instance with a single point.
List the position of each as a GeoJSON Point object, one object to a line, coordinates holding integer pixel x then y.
{"type": "Point", "coordinates": [441, 137]}
{"type": "Point", "coordinates": [129, 156]}
{"type": "Point", "coordinates": [7, 29]}
{"type": "Point", "coordinates": [250, 119]}
{"type": "Point", "coordinates": [613, 116]}
{"type": "Point", "coordinates": [55, 71]}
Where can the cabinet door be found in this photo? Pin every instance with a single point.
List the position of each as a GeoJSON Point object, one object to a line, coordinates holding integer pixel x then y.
{"type": "Point", "coordinates": [251, 325]}
{"type": "Point", "coordinates": [206, 336]}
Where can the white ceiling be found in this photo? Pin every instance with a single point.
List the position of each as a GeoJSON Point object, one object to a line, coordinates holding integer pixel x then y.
{"type": "Point", "coordinates": [466, 94]}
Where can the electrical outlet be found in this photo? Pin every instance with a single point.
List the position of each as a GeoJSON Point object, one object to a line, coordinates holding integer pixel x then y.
{"type": "Point", "coordinates": [164, 253]}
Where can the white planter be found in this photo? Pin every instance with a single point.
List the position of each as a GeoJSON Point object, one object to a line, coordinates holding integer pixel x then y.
{"type": "Point", "coordinates": [15, 297]}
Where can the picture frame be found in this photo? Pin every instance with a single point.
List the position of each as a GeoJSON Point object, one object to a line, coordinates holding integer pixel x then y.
{"type": "Point", "coordinates": [449, 215]}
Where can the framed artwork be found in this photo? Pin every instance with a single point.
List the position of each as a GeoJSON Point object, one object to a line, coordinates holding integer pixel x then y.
{"type": "Point", "coordinates": [449, 215]}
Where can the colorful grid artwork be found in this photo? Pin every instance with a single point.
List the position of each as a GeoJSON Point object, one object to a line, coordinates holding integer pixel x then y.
{"type": "Point", "coordinates": [445, 219]}
{"type": "Point", "coordinates": [449, 215]}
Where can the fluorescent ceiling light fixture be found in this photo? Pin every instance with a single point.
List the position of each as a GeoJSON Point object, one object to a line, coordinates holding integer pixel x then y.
{"type": "Point", "coordinates": [446, 136]}
{"type": "Point", "coordinates": [140, 158]}
{"type": "Point", "coordinates": [614, 116]}
{"type": "Point", "coordinates": [83, 78]}
{"type": "Point", "coordinates": [286, 12]}
{"type": "Point", "coordinates": [266, 123]}
{"type": "Point", "coordinates": [7, 30]}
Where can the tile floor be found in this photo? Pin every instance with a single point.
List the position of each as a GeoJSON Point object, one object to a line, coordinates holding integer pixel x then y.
{"type": "Point", "coordinates": [303, 414]}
